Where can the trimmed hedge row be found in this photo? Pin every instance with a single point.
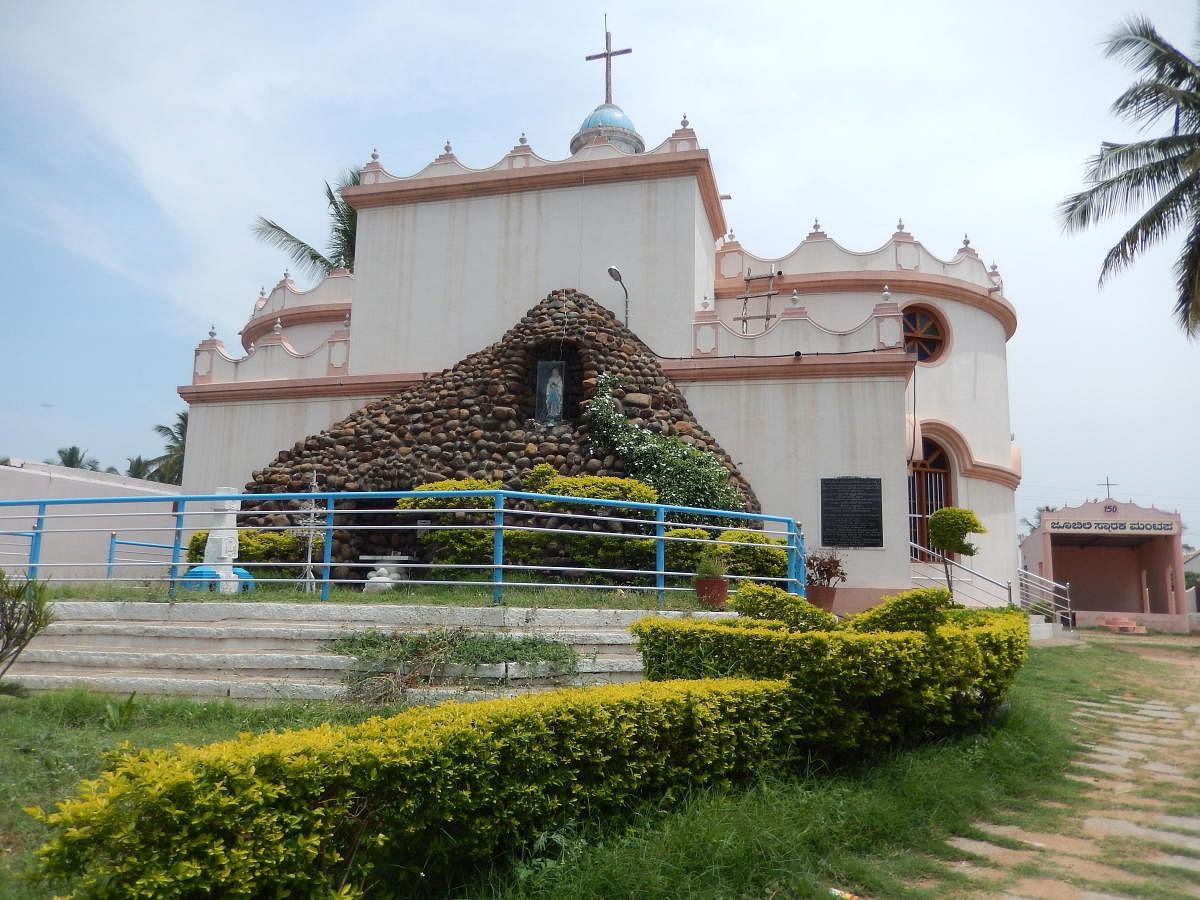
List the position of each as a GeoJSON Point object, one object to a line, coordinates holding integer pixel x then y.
{"type": "Point", "coordinates": [854, 691]}
{"type": "Point", "coordinates": [394, 806]}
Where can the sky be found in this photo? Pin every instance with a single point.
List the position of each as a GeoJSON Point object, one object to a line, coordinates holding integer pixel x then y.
{"type": "Point", "coordinates": [139, 141]}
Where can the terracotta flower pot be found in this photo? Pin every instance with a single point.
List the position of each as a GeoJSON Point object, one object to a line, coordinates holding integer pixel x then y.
{"type": "Point", "coordinates": [821, 596]}
{"type": "Point", "coordinates": [712, 592]}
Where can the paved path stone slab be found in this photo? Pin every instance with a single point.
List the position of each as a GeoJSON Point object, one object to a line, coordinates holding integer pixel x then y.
{"type": "Point", "coordinates": [1121, 828]}
{"type": "Point", "coordinates": [1189, 863]}
{"type": "Point", "coordinates": [1001, 856]}
{"type": "Point", "coordinates": [1142, 737]}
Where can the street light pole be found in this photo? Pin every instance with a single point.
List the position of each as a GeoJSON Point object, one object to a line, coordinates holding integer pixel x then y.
{"type": "Point", "coordinates": [615, 274]}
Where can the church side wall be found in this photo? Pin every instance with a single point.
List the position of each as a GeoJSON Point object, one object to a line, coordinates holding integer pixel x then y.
{"type": "Point", "coordinates": [229, 441]}
{"type": "Point", "coordinates": [995, 505]}
{"type": "Point", "coordinates": [967, 387]}
{"type": "Point", "coordinates": [787, 435]}
{"type": "Point", "coordinates": [436, 281]}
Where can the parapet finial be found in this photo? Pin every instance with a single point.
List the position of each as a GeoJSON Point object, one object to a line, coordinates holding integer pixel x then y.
{"type": "Point", "coordinates": [887, 294]}
{"type": "Point", "coordinates": [212, 332]}
{"type": "Point", "coordinates": [446, 149]}
{"type": "Point", "coordinates": [278, 326]}
{"type": "Point", "coordinates": [374, 154]}
{"type": "Point", "coordinates": [966, 241]}
{"type": "Point", "coordinates": [522, 140]}
{"type": "Point", "coordinates": [684, 123]}
{"type": "Point", "coordinates": [899, 224]}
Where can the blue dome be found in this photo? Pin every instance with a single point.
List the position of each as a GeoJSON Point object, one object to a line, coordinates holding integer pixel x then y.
{"type": "Point", "coordinates": [607, 115]}
{"type": "Point", "coordinates": [608, 122]}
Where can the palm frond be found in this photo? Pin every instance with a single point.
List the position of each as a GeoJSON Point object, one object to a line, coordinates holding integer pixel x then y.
{"type": "Point", "coordinates": [1129, 188]}
{"type": "Point", "coordinates": [1114, 159]}
{"type": "Point", "coordinates": [1146, 100]}
{"type": "Point", "coordinates": [1139, 44]}
{"type": "Point", "coordinates": [308, 260]}
{"type": "Point", "coordinates": [1187, 270]}
{"type": "Point", "coordinates": [1153, 225]}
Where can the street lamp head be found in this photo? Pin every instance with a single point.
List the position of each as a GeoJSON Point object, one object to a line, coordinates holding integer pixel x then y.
{"type": "Point", "coordinates": [615, 274]}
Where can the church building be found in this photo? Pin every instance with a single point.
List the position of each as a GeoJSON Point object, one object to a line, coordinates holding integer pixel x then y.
{"type": "Point", "coordinates": [857, 391]}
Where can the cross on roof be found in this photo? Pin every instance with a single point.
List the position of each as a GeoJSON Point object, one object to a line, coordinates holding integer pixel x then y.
{"type": "Point", "coordinates": [1108, 485]}
{"type": "Point", "coordinates": [607, 56]}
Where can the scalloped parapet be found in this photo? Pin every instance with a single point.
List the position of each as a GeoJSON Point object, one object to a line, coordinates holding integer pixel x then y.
{"type": "Point", "coordinates": [273, 357]}
{"type": "Point", "coordinates": [309, 315]}
{"type": "Point", "coordinates": [817, 253]}
{"type": "Point", "coordinates": [597, 146]}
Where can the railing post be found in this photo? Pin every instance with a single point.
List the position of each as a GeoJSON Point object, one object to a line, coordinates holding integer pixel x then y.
{"type": "Point", "coordinates": [112, 549]}
{"type": "Point", "coordinates": [1008, 584]}
{"type": "Point", "coordinates": [660, 555]}
{"type": "Point", "coordinates": [498, 551]}
{"type": "Point", "coordinates": [327, 550]}
{"type": "Point", "coordinates": [35, 543]}
{"type": "Point", "coordinates": [795, 560]}
{"type": "Point", "coordinates": [177, 507]}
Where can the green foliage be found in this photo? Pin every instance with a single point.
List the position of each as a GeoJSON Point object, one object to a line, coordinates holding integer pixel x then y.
{"type": "Point", "coordinates": [117, 716]}
{"type": "Point", "coordinates": [682, 475]}
{"type": "Point", "coordinates": [765, 559]}
{"type": "Point", "coordinates": [451, 484]}
{"type": "Point", "coordinates": [763, 601]}
{"type": "Point", "coordinates": [949, 527]}
{"type": "Point", "coordinates": [262, 546]}
{"type": "Point", "coordinates": [536, 479]}
{"type": "Point", "coordinates": [1191, 580]}
{"type": "Point", "coordinates": [467, 648]}
{"type": "Point", "coordinates": [921, 609]}
{"type": "Point", "coordinates": [24, 612]}
{"type": "Point", "coordinates": [710, 564]}
{"type": "Point", "coordinates": [853, 692]}
{"type": "Point", "coordinates": [683, 554]}
{"type": "Point", "coordinates": [601, 487]}
{"type": "Point", "coordinates": [404, 805]}
{"type": "Point", "coordinates": [824, 568]}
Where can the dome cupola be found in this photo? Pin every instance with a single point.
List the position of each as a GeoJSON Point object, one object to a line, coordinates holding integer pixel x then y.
{"type": "Point", "coordinates": [609, 123]}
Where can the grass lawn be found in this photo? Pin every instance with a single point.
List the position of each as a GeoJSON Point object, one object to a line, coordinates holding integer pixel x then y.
{"type": "Point", "coordinates": [876, 828]}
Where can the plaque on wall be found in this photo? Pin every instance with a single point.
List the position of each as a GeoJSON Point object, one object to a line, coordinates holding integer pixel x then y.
{"type": "Point", "coordinates": [851, 512]}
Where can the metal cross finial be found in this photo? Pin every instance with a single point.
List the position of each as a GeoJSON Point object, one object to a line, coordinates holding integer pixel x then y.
{"type": "Point", "coordinates": [1108, 485]}
{"type": "Point", "coordinates": [607, 56]}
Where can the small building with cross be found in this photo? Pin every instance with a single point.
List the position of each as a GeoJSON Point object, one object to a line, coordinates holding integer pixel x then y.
{"type": "Point", "coordinates": [1123, 562]}
{"type": "Point", "coordinates": [858, 390]}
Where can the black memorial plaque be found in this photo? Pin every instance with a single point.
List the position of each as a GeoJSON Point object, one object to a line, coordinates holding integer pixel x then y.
{"type": "Point", "coordinates": [851, 512]}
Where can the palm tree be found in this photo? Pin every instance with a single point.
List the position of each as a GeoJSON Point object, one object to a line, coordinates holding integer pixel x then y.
{"type": "Point", "coordinates": [139, 467]}
{"type": "Point", "coordinates": [343, 221]}
{"type": "Point", "coordinates": [168, 468]}
{"type": "Point", "coordinates": [74, 458]}
{"type": "Point", "coordinates": [1163, 172]}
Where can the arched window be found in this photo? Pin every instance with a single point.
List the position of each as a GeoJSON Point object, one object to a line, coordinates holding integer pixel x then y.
{"type": "Point", "coordinates": [928, 491]}
{"type": "Point", "coordinates": [924, 333]}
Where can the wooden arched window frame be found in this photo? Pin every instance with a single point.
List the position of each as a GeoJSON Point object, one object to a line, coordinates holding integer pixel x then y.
{"type": "Point", "coordinates": [929, 489]}
{"type": "Point", "coordinates": [924, 333]}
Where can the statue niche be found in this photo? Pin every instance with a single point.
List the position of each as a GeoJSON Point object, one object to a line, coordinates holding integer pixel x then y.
{"type": "Point", "coordinates": [555, 374]}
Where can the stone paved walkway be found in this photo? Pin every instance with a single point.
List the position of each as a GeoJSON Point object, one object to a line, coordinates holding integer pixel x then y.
{"type": "Point", "coordinates": [1137, 833]}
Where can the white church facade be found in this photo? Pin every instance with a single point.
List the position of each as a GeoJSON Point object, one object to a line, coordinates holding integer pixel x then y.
{"type": "Point", "coordinates": [830, 375]}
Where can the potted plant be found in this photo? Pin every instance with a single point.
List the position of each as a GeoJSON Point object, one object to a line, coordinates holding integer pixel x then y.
{"type": "Point", "coordinates": [823, 572]}
{"type": "Point", "coordinates": [710, 584]}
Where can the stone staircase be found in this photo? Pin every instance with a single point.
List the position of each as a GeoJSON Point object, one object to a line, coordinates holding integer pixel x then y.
{"type": "Point", "coordinates": [276, 651]}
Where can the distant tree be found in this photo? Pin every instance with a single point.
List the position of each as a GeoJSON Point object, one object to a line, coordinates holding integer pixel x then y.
{"type": "Point", "coordinates": [1191, 579]}
{"type": "Point", "coordinates": [1158, 177]}
{"type": "Point", "coordinates": [139, 467]}
{"type": "Point", "coordinates": [948, 530]}
{"type": "Point", "coordinates": [168, 468]}
{"type": "Point", "coordinates": [343, 225]}
{"type": "Point", "coordinates": [74, 458]}
{"type": "Point", "coordinates": [1036, 522]}
{"type": "Point", "coordinates": [111, 470]}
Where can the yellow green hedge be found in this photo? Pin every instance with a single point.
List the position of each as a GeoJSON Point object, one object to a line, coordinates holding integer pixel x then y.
{"type": "Point", "coordinates": [854, 691]}
{"type": "Point", "coordinates": [395, 806]}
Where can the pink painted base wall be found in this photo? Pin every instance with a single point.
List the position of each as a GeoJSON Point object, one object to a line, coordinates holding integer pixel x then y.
{"type": "Point", "coordinates": [1180, 624]}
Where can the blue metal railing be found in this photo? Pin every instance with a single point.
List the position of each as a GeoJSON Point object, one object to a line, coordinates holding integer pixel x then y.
{"type": "Point", "coordinates": [114, 542]}
{"type": "Point", "coordinates": [504, 504]}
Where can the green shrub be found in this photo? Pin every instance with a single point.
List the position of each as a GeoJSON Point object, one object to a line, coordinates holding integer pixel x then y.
{"type": "Point", "coordinates": [601, 487]}
{"type": "Point", "coordinates": [766, 559]}
{"type": "Point", "coordinates": [763, 601]}
{"type": "Point", "coordinates": [455, 546]}
{"type": "Point", "coordinates": [403, 806]}
{"type": "Point", "coordinates": [682, 475]}
{"type": "Point", "coordinates": [263, 547]}
{"type": "Point", "coordinates": [683, 555]}
{"type": "Point", "coordinates": [921, 609]}
{"type": "Point", "coordinates": [452, 484]}
{"type": "Point", "coordinates": [853, 692]}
